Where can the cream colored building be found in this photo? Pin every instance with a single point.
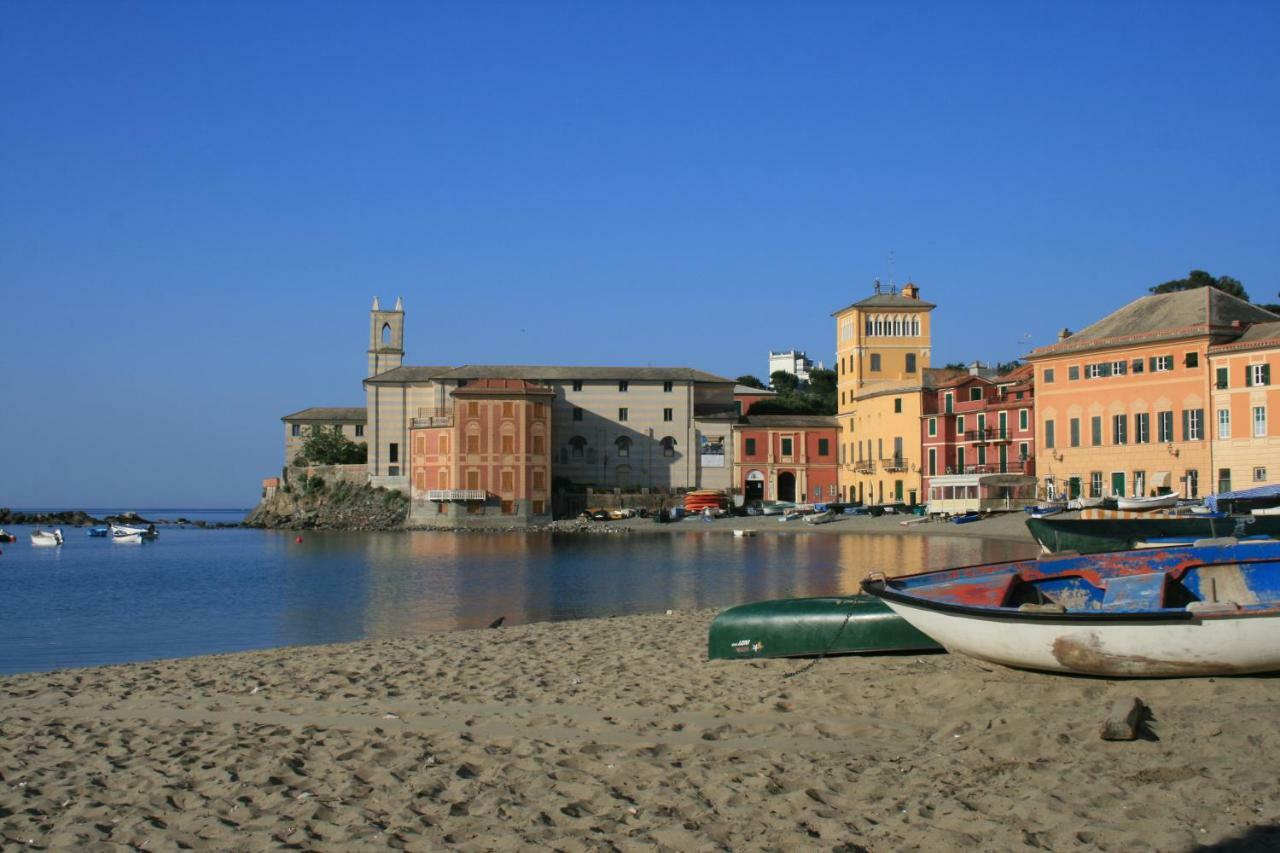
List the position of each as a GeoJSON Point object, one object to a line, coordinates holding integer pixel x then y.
{"type": "Point", "coordinates": [350, 419]}
{"type": "Point", "coordinates": [656, 427]}
{"type": "Point", "coordinates": [883, 346]}
{"type": "Point", "coordinates": [1245, 377]}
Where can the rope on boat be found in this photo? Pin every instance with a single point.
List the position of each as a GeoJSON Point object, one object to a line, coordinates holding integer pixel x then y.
{"type": "Point", "coordinates": [834, 639]}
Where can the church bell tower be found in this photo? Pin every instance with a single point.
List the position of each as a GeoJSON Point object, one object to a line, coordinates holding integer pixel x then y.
{"type": "Point", "coordinates": [386, 337]}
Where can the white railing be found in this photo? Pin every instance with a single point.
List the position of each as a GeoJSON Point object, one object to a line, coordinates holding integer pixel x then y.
{"type": "Point", "coordinates": [456, 495]}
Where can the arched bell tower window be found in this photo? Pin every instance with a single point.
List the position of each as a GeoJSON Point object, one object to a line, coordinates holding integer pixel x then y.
{"type": "Point", "coordinates": [386, 334]}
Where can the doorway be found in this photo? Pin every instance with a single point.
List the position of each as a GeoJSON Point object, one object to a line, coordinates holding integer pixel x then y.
{"type": "Point", "coordinates": [1073, 487]}
{"type": "Point", "coordinates": [1117, 484]}
{"type": "Point", "coordinates": [787, 486]}
{"type": "Point", "coordinates": [754, 487]}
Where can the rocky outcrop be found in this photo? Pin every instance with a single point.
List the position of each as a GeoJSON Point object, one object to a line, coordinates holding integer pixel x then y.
{"type": "Point", "coordinates": [340, 506]}
{"type": "Point", "coordinates": [69, 518]}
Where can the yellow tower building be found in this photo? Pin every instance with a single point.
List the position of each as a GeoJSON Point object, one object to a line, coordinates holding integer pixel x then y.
{"type": "Point", "coordinates": [882, 347]}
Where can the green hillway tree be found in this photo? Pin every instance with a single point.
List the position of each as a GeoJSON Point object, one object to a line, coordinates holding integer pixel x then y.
{"type": "Point", "coordinates": [330, 447]}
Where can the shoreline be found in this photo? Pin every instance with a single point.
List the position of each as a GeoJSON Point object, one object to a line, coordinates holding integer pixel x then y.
{"type": "Point", "coordinates": [618, 731]}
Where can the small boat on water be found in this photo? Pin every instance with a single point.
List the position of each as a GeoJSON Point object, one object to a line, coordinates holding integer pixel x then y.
{"type": "Point", "coordinates": [99, 532]}
{"type": "Point", "coordinates": [46, 538]}
{"type": "Point", "coordinates": [1137, 504]}
{"type": "Point", "coordinates": [800, 627]}
{"type": "Point", "coordinates": [7, 537]}
{"type": "Point", "coordinates": [116, 531]}
{"type": "Point", "coordinates": [742, 534]}
{"type": "Point", "coordinates": [1212, 608]}
{"type": "Point", "coordinates": [824, 517]}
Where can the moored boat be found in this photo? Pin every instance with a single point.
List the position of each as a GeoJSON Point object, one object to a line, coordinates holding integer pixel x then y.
{"type": "Point", "coordinates": [1092, 535]}
{"type": "Point", "coordinates": [7, 537]}
{"type": "Point", "coordinates": [148, 532]}
{"type": "Point", "coordinates": [1137, 504]}
{"type": "Point", "coordinates": [46, 537]}
{"type": "Point", "coordinates": [98, 532]}
{"type": "Point", "coordinates": [1209, 609]}
{"type": "Point", "coordinates": [799, 627]}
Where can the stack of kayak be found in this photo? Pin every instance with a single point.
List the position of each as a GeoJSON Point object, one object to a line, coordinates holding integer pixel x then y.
{"type": "Point", "coordinates": [704, 499]}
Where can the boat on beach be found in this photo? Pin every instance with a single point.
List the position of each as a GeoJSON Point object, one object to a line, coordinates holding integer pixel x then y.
{"type": "Point", "coordinates": [1212, 608]}
{"type": "Point", "coordinates": [1137, 504]}
{"type": "Point", "coordinates": [743, 533]}
{"type": "Point", "coordinates": [824, 517]}
{"type": "Point", "coordinates": [802, 627]}
{"type": "Point", "coordinates": [1094, 535]}
{"type": "Point", "coordinates": [46, 538]}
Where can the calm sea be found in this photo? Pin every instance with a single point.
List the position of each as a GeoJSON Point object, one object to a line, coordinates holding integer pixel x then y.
{"type": "Point", "coordinates": [196, 591]}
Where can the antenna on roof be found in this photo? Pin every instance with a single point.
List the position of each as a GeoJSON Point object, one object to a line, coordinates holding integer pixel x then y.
{"type": "Point", "coordinates": [891, 270]}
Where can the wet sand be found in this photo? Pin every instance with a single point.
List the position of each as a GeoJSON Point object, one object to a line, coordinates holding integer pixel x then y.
{"type": "Point", "coordinates": [1010, 526]}
{"type": "Point", "coordinates": [617, 733]}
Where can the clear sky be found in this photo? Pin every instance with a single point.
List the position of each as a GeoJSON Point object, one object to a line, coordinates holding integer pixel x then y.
{"type": "Point", "coordinates": [198, 201]}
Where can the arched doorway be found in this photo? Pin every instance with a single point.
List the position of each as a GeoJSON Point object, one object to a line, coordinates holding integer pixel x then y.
{"type": "Point", "coordinates": [786, 486]}
{"type": "Point", "coordinates": [753, 490]}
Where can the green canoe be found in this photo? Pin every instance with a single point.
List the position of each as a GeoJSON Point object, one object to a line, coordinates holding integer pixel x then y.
{"type": "Point", "coordinates": [800, 627]}
{"type": "Point", "coordinates": [1091, 535]}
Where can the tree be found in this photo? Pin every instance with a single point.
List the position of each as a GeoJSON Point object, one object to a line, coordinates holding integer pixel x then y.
{"type": "Point", "coordinates": [750, 381]}
{"type": "Point", "coordinates": [328, 446]}
{"type": "Point", "coordinates": [783, 381]}
{"type": "Point", "coordinates": [1200, 278]}
{"type": "Point", "coordinates": [822, 388]}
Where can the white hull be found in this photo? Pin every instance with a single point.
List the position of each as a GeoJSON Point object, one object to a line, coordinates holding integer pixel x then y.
{"type": "Point", "coordinates": [45, 539]}
{"type": "Point", "coordinates": [1271, 510]}
{"type": "Point", "coordinates": [743, 533]}
{"type": "Point", "coordinates": [820, 518]}
{"type": "Point", "coordinates": [1143, 504]}
{"type": "Point", "coordinates": [1217, 645]}
{"type": "Point", "coordinates": [128, 538]}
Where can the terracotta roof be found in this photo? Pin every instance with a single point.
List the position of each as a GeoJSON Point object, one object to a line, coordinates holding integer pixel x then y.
{"type": "Point", "coordinates": [748, 391]}
{"type": "Point", "coordinates": [1163, 316]}
{"type": "Point", "coordinates": [809, 421]}
{"type": "Point", "coordinates": [942, 377]}
{"type": "Point", "coordinates": [1021, 373]}
{"type": "Point", "coordinates": [499, 387]}
{"type": "Point", "coordinates": [1257, 335]}
{"type": "Point", "coordinates": [345, 414]}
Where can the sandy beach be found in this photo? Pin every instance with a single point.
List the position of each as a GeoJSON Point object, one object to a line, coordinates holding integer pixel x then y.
{"type": "Point", "coordinates": [617, 733]}
{"type": "Point", "coordinates": [1010, 526]}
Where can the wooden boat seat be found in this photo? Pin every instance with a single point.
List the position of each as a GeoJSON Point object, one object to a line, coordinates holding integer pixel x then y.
{"type": "Point", "coordinates": [992, 591]}
{"type": "Point", "coordinates": [1136, 592]}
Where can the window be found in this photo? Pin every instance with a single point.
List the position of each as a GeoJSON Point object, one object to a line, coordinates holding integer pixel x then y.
{"type": "Point", "coordinates": [933, 426]}
{"type": "Point", "coordinates": [577, 384]}
{"type": "Point", "coordinates": [539, 480]}
{"type": "Point", "coordinates": [1259, 421]}
{"type": "Point", "coordinates": [911, 362]}
{"type": "Point", "coordinates": [1024, 450]}
{"type": "Point", "coordinates": [1048, 375]}
{"type": "Point", "coordinates": [1193, 483]}
{"type": "Point", "coordinates": [1224, 423]}
{"type": "Point", "coordinates": [786, 447]}
{"type": "Point", "coordinates": [668, 447]}
{"type": "Point", "coordinates": [359, 430]}
{"type": "Point", "coordinates": [1258, 374]}
{"type": "Point", "coordinates": [1073, 372]}
{"type": "Point", "coordinates": [1095, 484]}
{"type": "Point", "coordinates": [959, 460]}
{"type": "Point", "coordinates": [538, 445]}
{"type": "Point", "coordinates": [623, 445]}
{"type": "Point", "coordinates": [982, 454]}
{"type": "Point", "coordinates": [622, 414]}
{"type": "Point", "coordinates": [442, 444]}
{"type": "Point", "coordinates": [897, 405]}
{"type": "Point", "coordinates": [1137, 365]}
{"type": "Point", "coordinates": [959, 424]}
{"type": "Point", "coordinates": [622, 385]}
{"type": "Point", "coordinates": [824, 447]}
{"type": "Point", "coordinates": [1259, 475]}
{"type": "Point", "coordinates": [749, 447]}
{"type": "Point", "coordinates": [473, 410]}
{"type": "Point", "coordinates": [933, 461]}
{"type": "Point", "coordinates": [1118, 368]}
{"type": "Point", "coordinates": [875, 362]}
{"type": "Point", "coordinates": [508, 482]}
{"type": "Point", "coordinates": [539, 507]}
{"type": "Point", "coordinates": [948, 402]}
{"type": "Point", "coordinates": [1224, 479]}
{"type": "Point", "coordinates": [295, 430]}
{"type": "Point", "coordinates": [1142, 428]}
{"type": "Point", "coordinates": [1192, 359]}
{"type": "Point", "coordinates": [1048, 435]}
{"type": "Point", "coordinates": [1223, 378]}
{"type": "Point", "coordinates": [508, 410]}
{"type": "Point", "coordinates": [1092, 371]}
{"type": "Point", "coordinates": [1161, 363]}
{"type": "Point", "coordinates": [577, 445]}
{"type": "Point", "coordinates": [1192, 424]}
{"type": "Point", "coordinates": [508, 443]}
{"type": "Point", "coordinates": [1073, 432]}
{"type": "Point", "coordinates": [1139, 483]}
{"type": "Point", "coordinates": [393, 453]}
{"type": "Point", "coordinates": [1164, 426]}
{"type": "Point", "coordinates": [1120, 429]}
{"type": "Point", "coordinates": [1024, 419]}
{"type": "Point", "coordinates": [975, 393]}
{"type": "Point", "coordinates": [473, 443]}
{"type": "Point", "coordinates": [668, 414]}
{"type": "Point", "coordinates": [1095, 430]}
{"type": "Point", "coordinates": [473, 480]}
{"type": "Point", "coordinates": [667, 386]}
{"type": "Point", "coordinates": [577, 413]}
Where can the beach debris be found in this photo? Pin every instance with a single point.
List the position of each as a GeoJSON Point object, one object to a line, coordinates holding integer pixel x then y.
{"type": "Point", "coordinates": [390, 716]}
{"type": "Point", "coordinates": [256, 688]}
{"type": "Point", "coordinates": [670, 612]}
{"type": "Point", "coordinates": [497, 623]}
{"type": "Point", "coordinates": [1126, 719]}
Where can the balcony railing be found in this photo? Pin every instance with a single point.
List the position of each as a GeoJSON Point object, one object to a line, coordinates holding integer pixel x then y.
{"type": "Point", "coordinates": [864, 466]}
{"type": "Point", "coordinates": [984, 435]}
{"type": "Point", "coordinates": [1012, 467]}
{"type": "Point", "coordinates": [456, 495]}
{"type": "Point", "coordinates": [431, 421]}
{"type": "Point", "coordinates": [897, 463]}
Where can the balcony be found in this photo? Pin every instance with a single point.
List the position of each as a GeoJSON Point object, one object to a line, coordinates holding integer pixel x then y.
{"type": "Point", "coordinates": [986, 435]}
{"type": "Point", "coordinates": [864, 467]}
{"type": "Point", "coordinates": [457, 495]}
{"type": "Point", "coordinates": [432, 417]}
{"type": "Point", "coordinates": [1016, 466]}
{"type": "Point", "coordinates": [897, 463]}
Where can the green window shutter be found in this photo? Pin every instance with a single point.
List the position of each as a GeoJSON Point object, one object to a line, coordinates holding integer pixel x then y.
{"type": "Point", "coordinates": [1248, 376]}
{"type": "Point", "coordinates": [1266, 374]}
{"type": "Point", "coordinates": [1223, 377]}
{"type": "Point", "coordinates": [1152, 365]}
{"type": "Point", "coordinates": [1186, 424]}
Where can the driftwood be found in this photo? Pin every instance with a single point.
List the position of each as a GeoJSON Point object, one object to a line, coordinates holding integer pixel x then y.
{"type": "Point", "coordinates": [1126, 719]}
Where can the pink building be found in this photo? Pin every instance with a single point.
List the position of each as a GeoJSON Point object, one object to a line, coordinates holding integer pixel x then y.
{"type": "Point", "coordinates": [786, 458]}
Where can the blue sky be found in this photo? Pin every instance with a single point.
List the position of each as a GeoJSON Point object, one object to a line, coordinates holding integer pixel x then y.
{"type": "Point", "coordinates": [201, 199]}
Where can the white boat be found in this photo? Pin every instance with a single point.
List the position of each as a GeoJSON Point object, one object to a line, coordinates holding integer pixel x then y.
{"type": "Point", "coordinates": [1270, 510]}
{"type": "Point", "coordinates": [740, 533]}
{"type": "Point", "coordinates": [1211, 608]}
{"type": "Point", "coordinates": [1144, 504]}
{"type": "Point", "coordinates": [126, 538]}
{"type": "Point", "coordinates": [123, 531]}
{"type": "Point", "coordinates": [824, 517]}
{"type": "Point", "coordinates": [46, 537]}
{"type": "Point", "coordinates": [911, 522]}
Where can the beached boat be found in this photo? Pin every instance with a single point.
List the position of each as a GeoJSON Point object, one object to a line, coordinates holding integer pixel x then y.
{"type": "Point", "coordinates": [775, 508]}
{"type": "Point", "coordinates": [799, 627]}
{"type": "Point", "coordinates": [1209, 609]}
{"type": "Point", "coordinates": [966, 517]}
{"type": "Point", "coordinates": [1092, 535]}
{"type": "Point", "coordinates": [1137, 504]}
{"type": "Point", "coordinates": [742, 534]}
{"type": "Point", "coordinates": [1270, 510]}
{"type": "Point", "coordinates": [46, 537]}
{"type": "Point", "coordinates": [824, 517]}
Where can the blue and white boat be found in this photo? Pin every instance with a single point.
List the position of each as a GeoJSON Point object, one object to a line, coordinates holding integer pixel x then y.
{"type": "Point", "coordinates": [99, 532]}
{"type": "Point", "coordinates": [1211, 608]}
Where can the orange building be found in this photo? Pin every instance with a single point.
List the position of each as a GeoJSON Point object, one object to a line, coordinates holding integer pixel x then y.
{"type": "Point", "coordinates": [1246, 438]}
{"type": "Point", "coordinates": [483, 460]}
{"type": "Point", "coordinates": [786, 458]}
{"type": "Point", "coordinates": [1123, 406]}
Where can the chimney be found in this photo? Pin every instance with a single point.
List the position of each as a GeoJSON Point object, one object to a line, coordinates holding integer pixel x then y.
{"type": "Point", "coordinates": [910, 290]}
{"type": "Point", "coordinates": [1063, 335]}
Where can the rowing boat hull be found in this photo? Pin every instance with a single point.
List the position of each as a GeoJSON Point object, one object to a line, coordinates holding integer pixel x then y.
{"type": "Point", "coordinates": [1093, 535]}
{"type": "Point", "coordinates": [803, 627]}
